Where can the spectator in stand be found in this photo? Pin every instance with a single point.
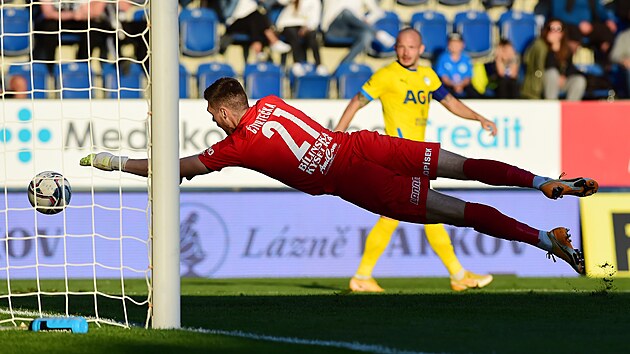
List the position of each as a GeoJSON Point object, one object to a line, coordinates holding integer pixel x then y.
{"type": "Point", "coordinates": [184, 3]}
{"type": "Point", "coordinates": [298, 22]}
{"type": "Point", "coordinates": [587, 23]}
{"type": "Point", "coordinates": [506, 64]}
{"type": "Point", "coordinates": [17, 88]}
{"type": "Point", "coordinates": [620, 54]}
{"type": "Point", "coordinates": [622, 11]}
{"type": "Point", "coordinates": [130, 30]}
{"type": "Point", "coordinates": [63, 15]}
{"type": "Point", "coordinates": [454, 67]}
{"type": "Point", "coordinates": [542, 10]}
{"type": "Point", "coordinates": [245, 16]}
{"type": "Point", "coordinates": [549, 66]}
{"type": "Point", "coordinates": [347, 18]}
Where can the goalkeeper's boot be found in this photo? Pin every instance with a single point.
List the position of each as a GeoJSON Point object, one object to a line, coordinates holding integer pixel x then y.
{"type": "Point", "coordinates": [562, 248]}
{"type": "Point", "coordinates": [368, 285]}
{"type": "Point", "coordinates": [471, 281]}
{"type": "Point", "coordinates": [580, 187]}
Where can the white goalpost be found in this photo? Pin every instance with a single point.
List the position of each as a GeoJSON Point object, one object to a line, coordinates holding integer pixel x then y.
{"type": "Point", "coordinates": [112, 255]}
{"type": "Point", "coordinates": [164, 153]}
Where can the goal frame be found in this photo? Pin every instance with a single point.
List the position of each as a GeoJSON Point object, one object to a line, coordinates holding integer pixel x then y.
{"type": "Point", "coordinates": [163, 153]}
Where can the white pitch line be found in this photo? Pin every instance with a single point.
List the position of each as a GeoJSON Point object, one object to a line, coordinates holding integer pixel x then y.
{"type": "Point", "coordinates": [361, 347]}
{"type": "Point", "coordinates": [371, 348]}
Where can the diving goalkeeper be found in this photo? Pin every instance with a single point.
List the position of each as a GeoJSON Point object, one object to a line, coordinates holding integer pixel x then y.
{"type": "Point", "coordinates": [385, 175]}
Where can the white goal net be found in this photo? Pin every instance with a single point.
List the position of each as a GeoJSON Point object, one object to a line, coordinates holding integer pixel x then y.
{"type": "Point", "coordinates": [75, 80]}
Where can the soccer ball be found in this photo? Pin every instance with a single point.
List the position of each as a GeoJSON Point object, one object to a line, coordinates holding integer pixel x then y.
{"type": "Point", "coordinates": [49, 192]}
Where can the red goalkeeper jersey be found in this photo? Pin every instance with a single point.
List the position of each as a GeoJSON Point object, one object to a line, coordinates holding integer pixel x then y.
{"type": "Point", "coordinates": [386, 175]}
{"type": "Point", "coordinates": [282, 142]}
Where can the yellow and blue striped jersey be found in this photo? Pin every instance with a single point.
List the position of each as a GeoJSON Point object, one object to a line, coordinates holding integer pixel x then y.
{"type": "Point", "coordinates": [405, 96]}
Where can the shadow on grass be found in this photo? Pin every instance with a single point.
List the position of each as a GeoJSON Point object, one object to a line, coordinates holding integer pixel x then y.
{"type": "Point", "coordinates": [474, 322]}
{"type": "Point", "coordinates": [318, 286]}
{"type": "Point", "coordinates": [471, 322]}
{"type": "Point", "coordinates": [284, 284]}
{"type": "Point", "coordinates": [414, 314]}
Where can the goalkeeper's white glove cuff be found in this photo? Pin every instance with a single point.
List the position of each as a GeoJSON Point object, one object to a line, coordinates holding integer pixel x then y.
{"type": "Point", "coordinates": [105, 161]}
{"type": "Point", "coordinates": [118, 163]}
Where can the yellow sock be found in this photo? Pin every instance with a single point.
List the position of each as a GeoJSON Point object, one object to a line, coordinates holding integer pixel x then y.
{"type": "Point", "coordinates": [375, 245]}
{"type": "Point", "coordinates": [441, 244]}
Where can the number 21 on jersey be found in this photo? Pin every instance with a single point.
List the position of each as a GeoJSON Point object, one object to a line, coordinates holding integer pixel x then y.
{"type": "Point", "coordinates": [270, 127]}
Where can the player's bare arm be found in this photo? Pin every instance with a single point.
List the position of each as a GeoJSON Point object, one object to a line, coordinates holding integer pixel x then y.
{"type": "Point", "coordinates": [458, 108]}
{"type": "Point", "coordinates": [189, 167]}
{"type": "Point", "coordinates": [356, 103]}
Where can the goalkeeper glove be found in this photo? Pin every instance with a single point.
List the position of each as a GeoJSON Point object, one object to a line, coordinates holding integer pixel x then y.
{"type": "Point", "coordinates": [105, 161]}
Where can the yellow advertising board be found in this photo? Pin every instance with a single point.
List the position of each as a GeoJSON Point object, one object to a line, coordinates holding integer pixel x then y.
{"type": "Point", "coordinates": [606, 234]}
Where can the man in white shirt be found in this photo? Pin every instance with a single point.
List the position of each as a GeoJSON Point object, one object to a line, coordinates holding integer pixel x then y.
{"type": "Point", "coordinates": [63, 15]}
{"type": "Point", "coordinates": [348, 18]}
{"type": "Point", "coordinates": [242, 16]}
{"type": "Point", "coordinates": [299, 22]}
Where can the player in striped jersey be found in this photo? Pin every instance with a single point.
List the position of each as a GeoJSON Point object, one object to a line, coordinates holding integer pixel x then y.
{"type": "Point", "coordinates": [406, 90]}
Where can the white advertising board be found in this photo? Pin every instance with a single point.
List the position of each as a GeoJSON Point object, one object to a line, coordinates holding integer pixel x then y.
{"type": "Point", "coordinates": [264, 234]}
{"type": "Point", "coordinates": [53, 135]}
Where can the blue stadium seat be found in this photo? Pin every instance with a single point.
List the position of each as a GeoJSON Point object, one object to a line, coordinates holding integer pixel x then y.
{"type": "Point", "coordinates": [596, 72]}
{"type": "Point", "coordinates": [453, 2]}
{"type": "Point", "coordinates": [411, 2]}
{"type": "Point", "coordinates": [207, 73]}
{"type": "Point", "coordinates": [619, 80]}
{"type": "Point", "coordinates": [139, 15]}
{"type": "Point", "coordinates": [241, 38]}
{"type": "Point", "coordinates": [434, 29]}
{"type": "Point", "coordinates": [350, 78]}
{"type": "Point", "coordinates": [330, 40]}
{"type": "Point", "coordinates": [476, 30]}
{"type": "Point", "coordinates": [519, 28]}
{"type": "Point", "coordinates": [274, 13]}
{"type": "Point", "coordinates": [37, 77]}
{"type": "Point", "coordinates": [262, 79]}
{"type": "Point", "coordinates": [244, 40]}
{"type": "Point", "coordinates": [184, 79]}
{"type": "Point", "coordinates": [69, 38]}
{"type": "Point", "coordinates": [16, 27]}
{"type": "Point", "coordinates": [390, 23]}
{"type": "Point", "coordinates": [336, 41]}
{"type": "Point", "coordinates": [198, 32]}
{"type": "Point", "coordinates": [130, 80]}
{"type": "Point", "coordinates": [310, 85]}
{"type": "Point", "coordinates": [497, 3]}
{"type": "Point", "coordinates": [74, 79]}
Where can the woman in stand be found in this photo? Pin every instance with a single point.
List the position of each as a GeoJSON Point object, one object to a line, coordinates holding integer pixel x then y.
{"type": "Point", "coordinates": [549, 66]}
{"type": "Point", "coordinates": [298, 22]}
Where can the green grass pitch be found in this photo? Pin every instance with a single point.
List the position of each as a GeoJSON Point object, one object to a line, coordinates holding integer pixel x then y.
{"type": "Point", "coordinates": [512, 315]}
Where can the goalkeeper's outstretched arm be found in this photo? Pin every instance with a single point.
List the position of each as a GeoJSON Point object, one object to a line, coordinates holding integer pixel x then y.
{"type": "Point", "coordinates": [189, 167]}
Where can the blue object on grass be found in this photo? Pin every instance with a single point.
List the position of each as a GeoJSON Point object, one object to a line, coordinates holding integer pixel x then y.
{"type": "Point", "coordinates": [60, 324]}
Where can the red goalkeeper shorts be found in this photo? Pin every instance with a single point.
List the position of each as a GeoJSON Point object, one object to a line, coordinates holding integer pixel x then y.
{"type": "Point", "coordinates": [387, 175]}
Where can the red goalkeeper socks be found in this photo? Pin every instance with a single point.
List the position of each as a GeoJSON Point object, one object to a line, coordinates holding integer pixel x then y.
{"type": "Point", "coordinates": [497, 173]}
{"type": "Point", "coordinates": [490, 221]}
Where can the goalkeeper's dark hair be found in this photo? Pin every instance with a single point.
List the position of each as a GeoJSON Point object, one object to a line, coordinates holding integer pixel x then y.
{"type": "Point", "coordinates": [226, 91]}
